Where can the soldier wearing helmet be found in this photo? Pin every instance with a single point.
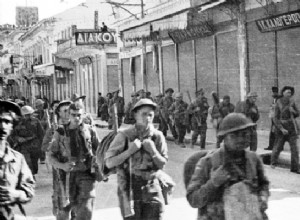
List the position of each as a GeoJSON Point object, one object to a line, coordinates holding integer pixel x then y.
{"type": "Point", "coordinates": [250, 110]}
{"type": "Point", "coordinates": [226, 171]}
{"type": "Point", "coordinates": [129, 116]}
{"type": "Point", "coordinates": [178, 114]}
{"type": "Point", "coordinates": [29, 135]}
{"type": "Point", "coordinates": [147, 149]}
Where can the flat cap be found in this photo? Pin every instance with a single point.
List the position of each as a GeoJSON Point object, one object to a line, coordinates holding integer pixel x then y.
{"type": "Point", "coordinates": [144, 102]}
{"type": "Point", "coordinates": [7, 106]}
{"type": "Point", "coordinates": [75, 97]}
{"type": "Point", "coordinates": [27, 110]}
{"type": "Point", "coordinates": [169, 90]}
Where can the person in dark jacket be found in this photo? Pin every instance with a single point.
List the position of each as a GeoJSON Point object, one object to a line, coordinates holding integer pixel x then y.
{"type": "Point", "coordinates": [230, 183]}
{"type": "Point", "coordinates": [250, 110]}
{"type": "Point", "coordinates": [272, 135]}
{"type": "Point", "coordinates": [286, 127]}
{"type": "Point", "coordinates": [16, 180]}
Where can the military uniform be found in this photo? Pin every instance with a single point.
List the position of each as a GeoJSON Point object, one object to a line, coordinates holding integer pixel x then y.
{"type": "Point", "coordinates": [15, 173]}
{"type": "Point", "coordinates": [33, 132]}
{"type": "Point", "coordinates": [179, 113]}
{"type": "Point", "coordinates": [79, 146]}
{"type": "Point", "coordinates": [129, 115]}
{"type": "Point", "coordinates": [251, 112]}
{"type": "Point", "coordinates": [164, 105]}
{"type": "Point", "coordinates": [224, 109]}
{"type": "Point", "coordinates": [146, 206]}
{"type": "Point", "coordinates": [119, 101]}
{"type": "Point", "coordinates": [198, 111]}
{"type": "Point", "coordinates": [285, 119]}
{"type": "Point", "coordinates": [101, 101]}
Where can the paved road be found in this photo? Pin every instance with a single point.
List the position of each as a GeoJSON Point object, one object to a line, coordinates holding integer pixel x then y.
{"type": "Point", "coordinates": [283, 205]}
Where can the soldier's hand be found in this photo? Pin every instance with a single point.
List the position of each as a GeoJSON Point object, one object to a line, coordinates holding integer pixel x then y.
{"type": "Point", "coordinates": [220, 176]}
{"type": "Point", "coordinates": [21, 140]}
{"type": "Point", "coordinates": [134, 146]}
{"type": "Point", "coordinates": [68, 166]}
{"type": "Point", "coordinates": [284, 131]}
{"type": "Point", "coordinates": [149, 146]}
{"type": "Point", "coordinates": [9, 195]}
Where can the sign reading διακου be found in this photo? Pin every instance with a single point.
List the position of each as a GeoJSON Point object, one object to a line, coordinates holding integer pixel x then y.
{"type": "Point", "coordinates": [94, 37]}
{"type": "Point", "coordinates": [279, 22]}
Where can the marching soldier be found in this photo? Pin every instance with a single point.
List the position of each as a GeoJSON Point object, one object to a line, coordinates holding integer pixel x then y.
{"type": "Point", "coordinates": [42, 114]}
{"type": "Point", "coordinates": [28, 135]}
{"type": "Point", "coordinates": [72, 152]}
{"type": "Point", "coordinates": [198, 111]}
{"type": "Point", "coordinates": [179, 112]}
{"type": "Point", "coordinates": [164, 105]}
{"type": "Point", "coordinates": [129, 116]}
{"type": "Point", "coordinates": [101, 101]}
{"type": "Point", "coordinates": [139, 152]}
{"type": "Point", "coordinates": [225, 107]}
{"type": "Point", "coordinates": [16, 180]}
{"type": "Point", "coordinates": [287, 129]}
{"type": "Point", "coordinates": [249, 108]}
{"type": "Point", "coordinates": [141, 94]}
{"type": "Point", "coordinates": [86, 118]}
{"type": "Point", "coordinates": [62, 118]}
{"type": "Point", "coordinates": [119, 101]}
{"type": "Point", "coordinates": [230, 183]}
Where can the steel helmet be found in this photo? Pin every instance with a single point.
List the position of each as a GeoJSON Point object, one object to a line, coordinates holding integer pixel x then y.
{"type": "Point", "coordinates": [234, 122]}
{"type": "Point", "coordinates": [39, 102]}
{"type": "Point", "coordinates": [144, 102]}
{"type": "Point", "coordinates": [27, 110]}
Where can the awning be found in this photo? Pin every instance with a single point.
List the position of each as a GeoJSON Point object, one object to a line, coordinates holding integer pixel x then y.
{"type": "Point", "coordinates": [136, 33]}
{"type": "Point", "coordinates": [44, 69]}
{"type": "Point", "coordinates": [75, 53]}
{"type": "Point", "coordinates": [176, 22]}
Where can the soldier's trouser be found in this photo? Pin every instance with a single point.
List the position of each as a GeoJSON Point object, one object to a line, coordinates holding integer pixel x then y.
{"type": "Point", "coordinates": [200, 130]}
{"type": "Point", "coordinates": [82, 196]}
{"type": "Point", "coordinates": [253, 139]}
{"type": "Point", "coordinates": [32, 159]}
{"type": "Point", "coordinates": [272, 137]}
{"type": "Point", "coordinates": [146, 207]}
{"type": "Point", "coordinates": [181, 131]}
{"type": "Point", "coordinates": [278, 147]}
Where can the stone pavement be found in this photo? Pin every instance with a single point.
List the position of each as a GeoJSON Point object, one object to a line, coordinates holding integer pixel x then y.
{"type": "Point", "coordinates": [263, 142]}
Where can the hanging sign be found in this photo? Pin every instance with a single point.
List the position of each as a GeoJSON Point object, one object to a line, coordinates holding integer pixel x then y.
{"type": "Point", "coordinates": [191, 33]}
{"type": "Point", "coordinates": [279, 22]}
{"type": "Point", "coordinates": [94, 37]}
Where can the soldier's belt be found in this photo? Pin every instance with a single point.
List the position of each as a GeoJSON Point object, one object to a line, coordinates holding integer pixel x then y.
{"type": "Point", "coordinates": [146, 175]}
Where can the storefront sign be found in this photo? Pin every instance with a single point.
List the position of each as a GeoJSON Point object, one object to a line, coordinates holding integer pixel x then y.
{"type": "Point", "coordinates": [191, 33]}
{"type": "Point", "coordinates": [112, 62]}
{"type": "Point", "coordinates": [61, 80]}
{"type": "Point", "coordinates": [85, 60]}
{"type": "Point", "coordinates": [44, 70]}
{"type": "Point", "coordinates": [279, 22]}
{"type": "Point", "coordinates": [94, 37]}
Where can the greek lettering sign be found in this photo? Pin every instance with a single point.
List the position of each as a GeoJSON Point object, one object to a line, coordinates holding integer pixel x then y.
{"type": "Point", "coordinates": [94, 37]}
{"type": "Point", "coordinates": [203, 30]}
{"type": "Point", "coordinates": [279, 22]}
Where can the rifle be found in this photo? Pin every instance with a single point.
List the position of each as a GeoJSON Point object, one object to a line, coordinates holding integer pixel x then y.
{"type": "Point", "coordinates": [190, 99]}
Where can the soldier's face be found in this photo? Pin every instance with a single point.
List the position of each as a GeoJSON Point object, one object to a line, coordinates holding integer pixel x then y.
{"type": "Point", "coordinates": [238, 140]}
{"type": "Point", "coordinates": [64, 113]}
{"type": "Point", "coordinates": [76, 116]}
{"type": "Point", "coordinates": [6, 125]}
{"type": "Point", "coordinates": [144, 116]}
{"type": "Point", "coordinates": [287, 93]}
{"type": "Point", "coordinates": [39, 107]}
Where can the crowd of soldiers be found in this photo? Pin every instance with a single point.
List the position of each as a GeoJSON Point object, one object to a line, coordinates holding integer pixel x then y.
{"type": "Point", "coordinates": [65, 134]}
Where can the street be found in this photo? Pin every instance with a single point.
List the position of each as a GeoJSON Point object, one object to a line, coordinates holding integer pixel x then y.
{"type": "Point", "coordinates": [284, 187]}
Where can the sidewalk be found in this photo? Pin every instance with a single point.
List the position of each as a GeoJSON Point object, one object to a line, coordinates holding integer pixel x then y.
{"type": "Point", "coordinates": [262, 136]}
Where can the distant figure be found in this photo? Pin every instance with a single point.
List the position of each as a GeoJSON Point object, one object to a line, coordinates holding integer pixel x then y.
{"type": "Point", "coordinates": [104, 27]}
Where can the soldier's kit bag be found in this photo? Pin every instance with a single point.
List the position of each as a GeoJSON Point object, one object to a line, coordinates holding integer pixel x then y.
{"type": "Point", "coordinates": [241, 203]}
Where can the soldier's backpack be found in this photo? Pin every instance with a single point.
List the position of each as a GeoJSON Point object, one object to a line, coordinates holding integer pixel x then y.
{"type": "Point", "coordinates": [103, 170]}
{"type": "Point", "coordinates": [189, 166]}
